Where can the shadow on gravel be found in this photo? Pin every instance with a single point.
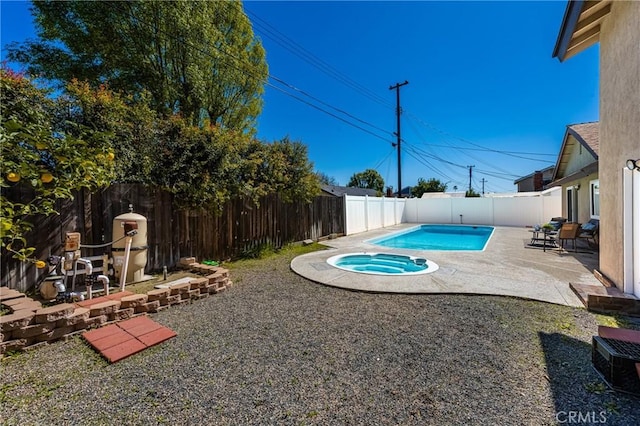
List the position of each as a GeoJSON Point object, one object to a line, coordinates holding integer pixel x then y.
{"type": "Point", "coordinates": [579, 393]}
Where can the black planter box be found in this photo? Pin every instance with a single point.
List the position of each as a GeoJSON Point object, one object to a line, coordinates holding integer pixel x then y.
{"type": "Point", "coordinates": [615, 361]}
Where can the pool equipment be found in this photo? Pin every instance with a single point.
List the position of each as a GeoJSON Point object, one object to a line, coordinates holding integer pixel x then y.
{"type": "Point", "coordinates": [130, 247]}
{"type": "Point", "coordinates": [53, 287]}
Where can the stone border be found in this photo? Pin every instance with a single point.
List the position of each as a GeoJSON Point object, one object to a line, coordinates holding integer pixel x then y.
{"type": "Point", "coordinates": [30, 326]}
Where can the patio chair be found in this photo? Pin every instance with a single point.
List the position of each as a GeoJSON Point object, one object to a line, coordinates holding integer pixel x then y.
{"type": "Point", "coordinates": [568, 231]}
{"type": "Point", "coordinates": [590, 230]}
{"type": "Point", "coordinates": [557, 222]}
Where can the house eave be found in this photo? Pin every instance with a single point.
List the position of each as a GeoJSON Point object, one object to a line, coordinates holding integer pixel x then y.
{"type": "Point", "coordinates": [587, 170]}
{"type": "Point", "coordinates": [580, 27]}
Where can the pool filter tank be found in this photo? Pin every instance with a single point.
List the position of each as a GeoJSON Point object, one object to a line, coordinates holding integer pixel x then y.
{"type": "Point", "coordinates": [130, 227]}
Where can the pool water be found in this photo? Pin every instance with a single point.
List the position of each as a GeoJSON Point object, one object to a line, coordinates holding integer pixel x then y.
{"type": "Point", "coordinates": [382, 263]}
{"type": "Point", "coordinates": [438, 237]}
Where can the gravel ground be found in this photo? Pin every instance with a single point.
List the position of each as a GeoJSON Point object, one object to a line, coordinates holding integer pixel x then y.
{"type": "Point", "coordinates": [278, 349]}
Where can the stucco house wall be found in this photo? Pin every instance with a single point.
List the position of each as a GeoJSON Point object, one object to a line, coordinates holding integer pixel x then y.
{"type": "Point", "coordinates": [578, 158]}
{"type": "Point", "coordinates": [619, 124]}
{"type": "Point", "coordinates": [584, 198]}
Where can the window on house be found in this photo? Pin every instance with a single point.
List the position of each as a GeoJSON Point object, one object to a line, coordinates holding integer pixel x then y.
{"type": "Point", "coordinates": [594, 196]}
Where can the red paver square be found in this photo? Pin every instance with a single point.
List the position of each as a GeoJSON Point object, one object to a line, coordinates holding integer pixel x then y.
{"type": "Point", "coordinates": [99, 333]}
{"type": "Point", "coordinates": [123, 350]}
{"type": "Point", "coordinates": [111, 340]}
{"type": "Point", "coordinates": [157, 336]}
{"type": "Point", "coordinates": [143, 329]}
{"type": "Point", "coordinates": [135, 322]}
{"type": "Point", "coordinates": [118, 341]}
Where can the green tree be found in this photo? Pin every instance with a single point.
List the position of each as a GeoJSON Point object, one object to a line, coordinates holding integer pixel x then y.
{"type": "Point", "coordinates": [199, 58]}
{"type": "Point", "coordinates": [369, 178]}
{"type": "Point", "coordinates": [431, 185]}
{"type": "Point", "coordinates": [47, 163]}
{"type": "Point", "coordinates": [131, 124]}
{"type": "Point", "coordinates": [285, 168]}
{"type": "Point", "coordinates": [325, 179]}
{"type": "Point", "coordinates": [471, 193]}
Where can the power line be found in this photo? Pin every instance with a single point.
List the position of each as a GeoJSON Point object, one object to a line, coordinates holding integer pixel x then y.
{"type": "Point", "coordinates": [491, 150]}
{"type": "Point", "coordinates": [379, 163]}
{"type": "Point", "coordinates": [298, 50]}
{"type": "Point", "coordinates": [309, 57]}
{"type": "Point", "coordinates": [444, 133]}
{"type": "Point", "coordinates": [248, 72]}
{"type": "Point", "coordinates": [328, 113]}
{"type": "Point", "coordinates": [416, 155]}
{"type": "Point", "coordinates": [281, 81]}
{"type": "Point", "coordinates": [329, 105]}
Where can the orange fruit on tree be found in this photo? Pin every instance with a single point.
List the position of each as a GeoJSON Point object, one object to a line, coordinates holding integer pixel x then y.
{"type": "Point", "coordinates": [111, 156]}
{"type": "Point", "coordinates": [46, 177]}
{"type": "Point", "coordinates": [13, 177]}
{"type": "Point", "coordinates": [40, 264]}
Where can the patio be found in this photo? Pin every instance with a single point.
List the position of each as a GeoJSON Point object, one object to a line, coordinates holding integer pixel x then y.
{"type": "Point", "coordinates": [506, 268]}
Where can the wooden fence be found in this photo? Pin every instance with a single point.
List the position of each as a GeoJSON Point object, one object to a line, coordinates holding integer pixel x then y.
{"type": "Point", "coordinates": [171, 233]}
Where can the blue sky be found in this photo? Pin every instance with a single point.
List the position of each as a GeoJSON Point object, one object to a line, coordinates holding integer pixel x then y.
{"type": "Point", "coordinates": [481, 83]}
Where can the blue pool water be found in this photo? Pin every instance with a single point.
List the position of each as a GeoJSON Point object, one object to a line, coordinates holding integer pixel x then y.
{"type": "Point", "coordinates": [382, 263]}
{"type": "Point", "coordinates": [438, 237]}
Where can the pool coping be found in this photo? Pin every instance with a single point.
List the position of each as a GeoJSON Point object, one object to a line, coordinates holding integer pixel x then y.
{"type": "Point", "coordinates": [504, 268]}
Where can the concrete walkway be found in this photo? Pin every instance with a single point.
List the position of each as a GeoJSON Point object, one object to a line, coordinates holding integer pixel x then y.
{"type": "Point", "coordinates": [505, 268]}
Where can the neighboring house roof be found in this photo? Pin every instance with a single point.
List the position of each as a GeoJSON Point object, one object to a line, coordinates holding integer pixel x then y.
{"type": "Point", "coordinates": [580, 27]}
{"type": "Point", "coordinates": [586, 135]}
{"type": "Point", "coordinates": [529, 176]}
{"type": "Point", "coordinates": [406, 192]}
{"type": "Point", "coordinates": [339, 191]}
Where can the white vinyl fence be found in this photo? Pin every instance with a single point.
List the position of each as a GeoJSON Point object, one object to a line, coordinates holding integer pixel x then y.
{"type": "Point", "coordinates": [368, 213]}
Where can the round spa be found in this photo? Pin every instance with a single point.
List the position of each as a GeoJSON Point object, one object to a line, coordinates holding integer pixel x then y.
{"type": "Point", "coordinates": [383, 264]}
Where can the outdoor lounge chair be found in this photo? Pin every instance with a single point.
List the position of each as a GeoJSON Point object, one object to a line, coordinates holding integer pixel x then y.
{"type": "Point", "coordinates": [557, 222]}
{"type": "Point", "coordinates": [568, 231]}
{"type": "Point", "coordinates": [590, 230]}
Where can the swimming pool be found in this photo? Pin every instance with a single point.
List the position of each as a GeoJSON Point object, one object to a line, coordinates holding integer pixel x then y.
{"type": "Point", "coordinates": [438, 237]}
{"type": "Point", "coordinates": [382, 263]}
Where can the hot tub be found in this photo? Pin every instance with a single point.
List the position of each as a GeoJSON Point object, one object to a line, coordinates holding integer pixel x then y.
{"type": "Point", "coordinates": [383, 264]}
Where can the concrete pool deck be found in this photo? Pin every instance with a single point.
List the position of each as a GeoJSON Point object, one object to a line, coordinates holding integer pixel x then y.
{"type": "Point", "coordinates": [505, 268]}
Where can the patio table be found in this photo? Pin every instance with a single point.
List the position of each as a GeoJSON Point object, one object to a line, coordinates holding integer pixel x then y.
{"type": "Point", "coordinates": [548, 236]}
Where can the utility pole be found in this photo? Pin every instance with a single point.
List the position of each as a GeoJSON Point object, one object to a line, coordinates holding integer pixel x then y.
{"type": "Point", "coordinates": [483, 182]}
{"type": "Point", "coordinates": [398, 112]}
{"type": "Point", "coordinates": [470, 169]}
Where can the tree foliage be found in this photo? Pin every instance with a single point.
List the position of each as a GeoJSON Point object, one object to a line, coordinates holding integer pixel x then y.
{"type": "Point", "coordinates": [471, 193]}
{"type": "Point", "coordinates": [39, 157]}
{"type": "Point", "coordinates": [325, 179]}
{"type": "Point", "coordinates": [369, 178]}
{"type": "Point", "coordinates": [204, 166]}
{"type": "Point", "coordinates": [431, 185]}
{"type": "Point", "coordinates": [199, 58]}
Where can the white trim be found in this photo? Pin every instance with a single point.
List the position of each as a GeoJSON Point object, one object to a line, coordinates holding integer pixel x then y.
{"type": "Point", "coordinates": [636, 232]}
{"type": "Point", "coordinates": [627, 223]}
{"type": "Point", "coordinates": [591, 184]}
{"type": "Point", "coordinates": [631, 231]}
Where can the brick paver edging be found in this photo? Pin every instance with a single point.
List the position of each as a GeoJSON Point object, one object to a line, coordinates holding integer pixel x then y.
{"type": "Point", "coordinates": [29, 325]}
